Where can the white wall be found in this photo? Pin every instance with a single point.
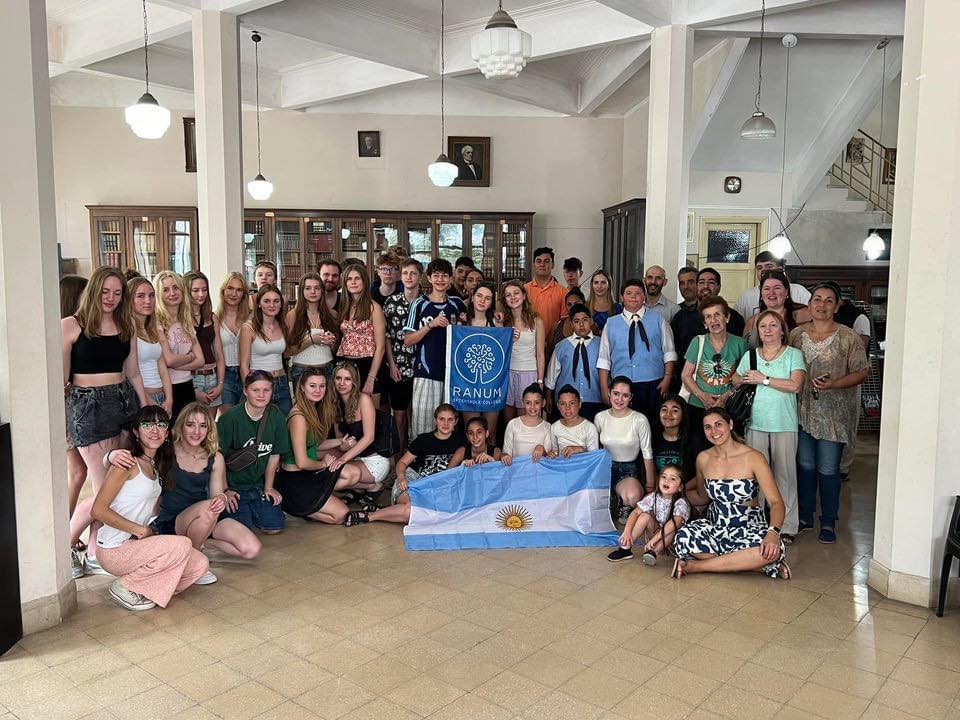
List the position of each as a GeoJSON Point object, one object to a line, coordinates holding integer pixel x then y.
{"type": "Point", "coordinates": [564, 169]}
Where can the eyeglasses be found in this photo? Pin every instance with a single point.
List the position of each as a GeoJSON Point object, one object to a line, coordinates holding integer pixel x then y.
{"type": "Point", "coordinates": [150, 425]}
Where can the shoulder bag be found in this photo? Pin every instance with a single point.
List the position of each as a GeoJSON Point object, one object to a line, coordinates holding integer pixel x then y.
{"type": "Point", "coordinates": [740, 403]}
{"type": "Point", "coordinates": [684, 393]}
{"type": "Point", "coordinates": [242, 458]}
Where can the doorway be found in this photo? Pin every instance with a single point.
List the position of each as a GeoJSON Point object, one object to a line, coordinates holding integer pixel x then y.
{"type": "Point", "coordinates": [729, 244]}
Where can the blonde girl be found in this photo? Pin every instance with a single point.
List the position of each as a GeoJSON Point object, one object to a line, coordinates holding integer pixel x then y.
{"type": "Point", "coordinates": [181, 351]}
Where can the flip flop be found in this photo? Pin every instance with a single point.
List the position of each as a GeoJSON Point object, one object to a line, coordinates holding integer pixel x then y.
{"type": "Point", "coordinates": [356, 517]}
{"type": "Point", "coordinates": [784, 572]}
{"type": "Point", "coordinates": [677, 571]}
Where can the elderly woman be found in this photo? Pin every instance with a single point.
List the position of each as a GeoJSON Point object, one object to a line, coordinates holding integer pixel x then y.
{"type": "Point", "coordinates": [734, 536]}
{"type": "Point", "coordinates": [711, 360]}
{"type": "Point", "coordinates": [772, 428]}
{"type": "Point", "coordinates": [775, 295]}
{"type": "Point", "coordinates": [836, 365]}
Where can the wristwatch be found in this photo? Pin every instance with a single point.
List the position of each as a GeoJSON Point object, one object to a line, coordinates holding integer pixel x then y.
{"type": "Point", "coordinates": [766, 380]}
{"type": "Point", "coordinates": [774, 528]}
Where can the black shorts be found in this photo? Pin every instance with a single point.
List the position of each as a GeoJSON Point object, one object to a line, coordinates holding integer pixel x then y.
{"type": "Point", "coordinates": [401, 394]}
{"type": "Point", "coordinates": [363, 370]}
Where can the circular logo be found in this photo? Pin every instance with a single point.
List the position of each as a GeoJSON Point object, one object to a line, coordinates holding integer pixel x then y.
{"type": "Point", "coordinates": [478, 358]}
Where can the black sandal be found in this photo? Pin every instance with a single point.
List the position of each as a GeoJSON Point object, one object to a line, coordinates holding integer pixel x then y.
{"type": "Point", "coordinates": [352, 497]}
{"type": "Point", "coordinates": [369, 503]}
{"type": "Point", "coordinates": [356, 517]}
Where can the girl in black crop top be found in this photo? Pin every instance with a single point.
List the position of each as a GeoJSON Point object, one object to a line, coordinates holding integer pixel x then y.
{"type": "Point", "coordinates": [356, 418]}
{"type": "Point", "coordinates": [101, 376]}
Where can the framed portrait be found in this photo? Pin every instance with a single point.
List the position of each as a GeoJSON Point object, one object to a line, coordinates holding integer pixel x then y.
{"type": "Point", "coordinates": [368, 143]}
{"type": "Point", "coordinates": [889, 174]}
{"type": "Point", "coordinates": [471, 155]}
{"type": "Point", "coordinates": [190, 144]}
{"type": "Point", "coordinates": [855, 151]}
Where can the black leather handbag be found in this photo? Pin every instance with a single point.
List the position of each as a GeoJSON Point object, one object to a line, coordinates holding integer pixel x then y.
{"type": "Point", "coordinates": [740, 403]}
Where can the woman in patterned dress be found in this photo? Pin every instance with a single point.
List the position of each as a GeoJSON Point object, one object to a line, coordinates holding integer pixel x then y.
{"type": "Point", "coordinates": [734, 536]}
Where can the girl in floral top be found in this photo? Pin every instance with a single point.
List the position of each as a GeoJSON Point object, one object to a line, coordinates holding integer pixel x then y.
{"type": "Point", "coordinates": [363, 328]}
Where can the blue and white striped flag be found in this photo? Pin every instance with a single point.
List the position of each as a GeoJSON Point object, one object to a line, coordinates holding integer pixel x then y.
{"type": "Point", "coordinates": [551, 503]}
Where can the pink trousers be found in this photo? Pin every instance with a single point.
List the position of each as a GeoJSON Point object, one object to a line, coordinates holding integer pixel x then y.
{"type": "Point", "coordinates": [157, 567]}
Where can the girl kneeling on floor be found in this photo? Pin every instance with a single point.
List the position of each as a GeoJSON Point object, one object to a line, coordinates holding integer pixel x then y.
{"type": "Point", "coordinates": [150, 568]}
{"type": "Point", "coordinates": [428, 454]}
{"type": "Point", "coordinates": [656, 518]}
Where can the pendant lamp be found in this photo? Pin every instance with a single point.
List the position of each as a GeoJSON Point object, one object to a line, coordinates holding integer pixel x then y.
{"type": "Point", "coordinates": [874, 245]}
{"type": "Point", "coordinates": [442, 172]}
{"type": "Point", "coordinates": [148, 119]}
{"type": "Point", "coordinates": [501, 50]}
{"type": "Point", "coordinates": [758, 126]}
{"type": "Point", "coordinates": [259, 188]}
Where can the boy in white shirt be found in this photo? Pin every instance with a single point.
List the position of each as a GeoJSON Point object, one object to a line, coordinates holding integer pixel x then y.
{"type": "Point", "coordinates": [572, 434]}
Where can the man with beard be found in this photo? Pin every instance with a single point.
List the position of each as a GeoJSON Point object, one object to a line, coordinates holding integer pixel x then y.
{"type": "Point", "coordinates": [687, 324]}
{"type": "Point", "coordinates": [330, 275]}
{"type": "Point", "coordinates": [654, 281]}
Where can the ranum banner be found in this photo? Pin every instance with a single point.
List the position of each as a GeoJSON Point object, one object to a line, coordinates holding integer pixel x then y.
{"type": "Point", "coordinates": [478, 367]}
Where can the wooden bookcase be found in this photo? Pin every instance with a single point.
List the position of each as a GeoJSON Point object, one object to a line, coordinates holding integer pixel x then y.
{"type": "Point", "coordinates": [145, 238]}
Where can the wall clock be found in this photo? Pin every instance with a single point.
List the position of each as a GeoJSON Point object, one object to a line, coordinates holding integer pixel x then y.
{"type": "Point", "coordinates": [731, 184]}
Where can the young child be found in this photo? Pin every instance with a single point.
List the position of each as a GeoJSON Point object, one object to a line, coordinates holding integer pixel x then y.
{"type": "Point", "coordinates": [528, 434]}
{"type": "Point", "coordinates": [656, 518]}
{"type": "Point", "coordinates": [574, 363]}
{"type": "Point", "coordinates": [428, 454]}
{"type": "Point", "coordinates": [479, 450]}
{"type": "Point", "coordinates": [572, 433]}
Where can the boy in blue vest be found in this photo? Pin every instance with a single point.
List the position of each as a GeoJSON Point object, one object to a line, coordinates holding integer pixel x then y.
{"type": "Point", "coordinates": [637, 344]}
{"type": "Point", "coordinates": [574, 363]}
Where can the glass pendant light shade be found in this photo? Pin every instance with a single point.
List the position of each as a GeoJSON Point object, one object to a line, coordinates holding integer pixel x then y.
{"type": "Point", "coordinates": [501, 50]}
{"type": "Point", "coordinates": [780, 245]}
{"type": "Point", "coordinates": [260, 188]}
{"type": "Point", "coordinates": [758, 127]}
{"type": "Point", "coordinates": [874, 246]}
{"type": "Point", "coordinates": [442, 173]}
{"type": "Point", "coordinates": [148, 119]}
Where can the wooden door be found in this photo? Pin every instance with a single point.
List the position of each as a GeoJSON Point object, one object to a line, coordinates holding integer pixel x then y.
{"type": "Point", "coordinates": [729, 245]}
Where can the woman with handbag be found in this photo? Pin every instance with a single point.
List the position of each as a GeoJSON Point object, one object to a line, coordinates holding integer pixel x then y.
{"type": "Point", "coordinates": [253, 437]}
{"type": "Point", "coordinates": [836, 365]}
{"type": "Point", "coordinates": [711, 360]}
{"type": "Point", "coordinates": [772, 428]}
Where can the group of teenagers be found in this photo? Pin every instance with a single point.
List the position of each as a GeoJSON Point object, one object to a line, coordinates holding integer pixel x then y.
{"type": "Point", "coordinates": [200, 429]}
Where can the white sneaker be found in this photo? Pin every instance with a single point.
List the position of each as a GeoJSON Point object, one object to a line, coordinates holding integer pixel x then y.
{"type": "Point", "coordinates": [76, 564]}
{"type": "Point", "coordinates": [91, 566]}
{"type": "Point", "coordinates": [129, 599]}
{"type": "Point", "coordinates": [208, 578]}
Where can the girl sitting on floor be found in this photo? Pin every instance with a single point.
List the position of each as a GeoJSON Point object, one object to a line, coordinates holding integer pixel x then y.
{"type": "Point", "coordinates": [656, 518]}
{"type": "Point", "coordinates": [149, 568]}
{"type": "Point", "coordinates": [528, 434]}
{"type": "Point", "coordinates": [428, 454]}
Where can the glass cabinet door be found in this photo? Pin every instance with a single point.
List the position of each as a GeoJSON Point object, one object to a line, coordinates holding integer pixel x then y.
{"type": "Point", "coordinates": [483, 248]}
{"type": "Point", "coordinates": [353, 240]}
{"type": "Point", "coordinates": [288, 256]}
{"type": "Point", "coordinates": [110, 241]}
{"type": "Point", "coordinates": [386, 234]}
{"type": "Point", "coordinates": [451, 241]}
{"type": "Point", "coordinates": [179, 246]}
{"type": "Point", "coordinates": [513, 251]}
{"type": "Point", "coordinates": [319, 241]}
{"type": "Point", "coordinates": [878, 308]}
{"type": "Point", "coordinates": [144, 238]}
{"type": "Point", "coordinates": [254, 246]}
{"type": "Point", "coordinates": [420, 241]}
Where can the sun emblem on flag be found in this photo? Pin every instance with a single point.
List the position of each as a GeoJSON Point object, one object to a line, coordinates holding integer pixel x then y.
{"type": "Point", "coordinates": [514, 517]}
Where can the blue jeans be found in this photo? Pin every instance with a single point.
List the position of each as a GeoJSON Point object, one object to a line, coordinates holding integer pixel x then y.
{"type": "Point", "coordinates": [255, 511]}
{"type": "Point", "coordinates": [281, 395]}
{"type": "Point", "coordinates": [818, 467]}
{"type": "Point", "coordinates": [232, 387]}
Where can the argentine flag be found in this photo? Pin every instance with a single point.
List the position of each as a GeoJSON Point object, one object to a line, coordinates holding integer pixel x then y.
{"type": "Point", "coordinates": [552, 503]}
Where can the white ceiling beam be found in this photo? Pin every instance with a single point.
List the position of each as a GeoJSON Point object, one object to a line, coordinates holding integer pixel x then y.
{"type": "Point", "coordinates": [338, 78]}
{"type": "Point", "coordinates": [619, 66]}
{"type": "Point", "coordinates": [530, 87]}
{"type": "Point", "coordinates": [705, 14]}
{"type": "Point", "coordinates": [855, 106]}
{"type": "Point", "coordinates": [348, 31]}
{"type": "Point", "coordinates": [234, 7]}
{"type": "Point", "coordinates": [654, 13]}
{"type": "Point", "coordinates": [735, 48]}
{"type": "Point", "coordinates": [852, 19]}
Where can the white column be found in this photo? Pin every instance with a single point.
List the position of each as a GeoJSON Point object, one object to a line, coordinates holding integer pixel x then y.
{"type": "Point", "coordinates": [216, 86]}
{"type": "Point", "coordinates": [668, 153]}
{"type": "Point", "coordinates": [919, 436]}
{"type": "Point", "coordinates": [31, 370]}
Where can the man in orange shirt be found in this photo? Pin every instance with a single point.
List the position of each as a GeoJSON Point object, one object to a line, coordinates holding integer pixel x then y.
{"type": "Point", "coordinates": [544, 292]}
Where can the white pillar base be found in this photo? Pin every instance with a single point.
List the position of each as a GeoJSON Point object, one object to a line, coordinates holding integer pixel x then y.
{"type": "Point", "coordinates": [912, 589]}
{"type": "Point", "coordinates": [47, 612]}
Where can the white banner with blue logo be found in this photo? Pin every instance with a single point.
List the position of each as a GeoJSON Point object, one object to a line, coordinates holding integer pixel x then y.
{"type": "Point", "coordinates": [557, 502]}
{"type": "Point", "coordinates": [478, 367]}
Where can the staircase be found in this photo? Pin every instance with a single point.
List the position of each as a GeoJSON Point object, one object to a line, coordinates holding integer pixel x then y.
{"type": "Point", "coordinates": [868, 169]}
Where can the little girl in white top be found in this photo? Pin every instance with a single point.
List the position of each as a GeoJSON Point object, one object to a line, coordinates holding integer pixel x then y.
{"type": "Point", "coordinates": [656, 518]}
{"type": "Point", "coordinates": [528, 434]}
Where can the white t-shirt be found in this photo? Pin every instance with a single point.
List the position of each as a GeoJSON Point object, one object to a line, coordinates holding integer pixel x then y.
{"type": "Point", "coordinates": [625, 438]}
{"type": "Point", "coordinates": [585, 435]}
{"type": "Point", "coordinates": [748, 304]}
{"type": "Point", "coordinates": [520, 439]}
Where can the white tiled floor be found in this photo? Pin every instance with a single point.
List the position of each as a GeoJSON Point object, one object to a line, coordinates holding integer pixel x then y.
{"type": "Point", "coordinates": [334, 622]}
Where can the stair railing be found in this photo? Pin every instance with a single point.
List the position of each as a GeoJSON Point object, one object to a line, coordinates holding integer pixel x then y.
{"type": "Point", "coordinates": [868, 169]}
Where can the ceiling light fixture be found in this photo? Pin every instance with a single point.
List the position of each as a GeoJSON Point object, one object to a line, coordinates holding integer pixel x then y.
{"type": "Point", "coordinates": [259, 188]}
{"type": "Point", "coordinates": [148, 119]}
{"type": "Point", "coordinates": [874, 246]}
{"type": "Point", "coordinates": [501, 50]}
{"type": "Point", "coordinates": [442, 172]}
{"type": "Point", "coordinates": [758, 126]}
